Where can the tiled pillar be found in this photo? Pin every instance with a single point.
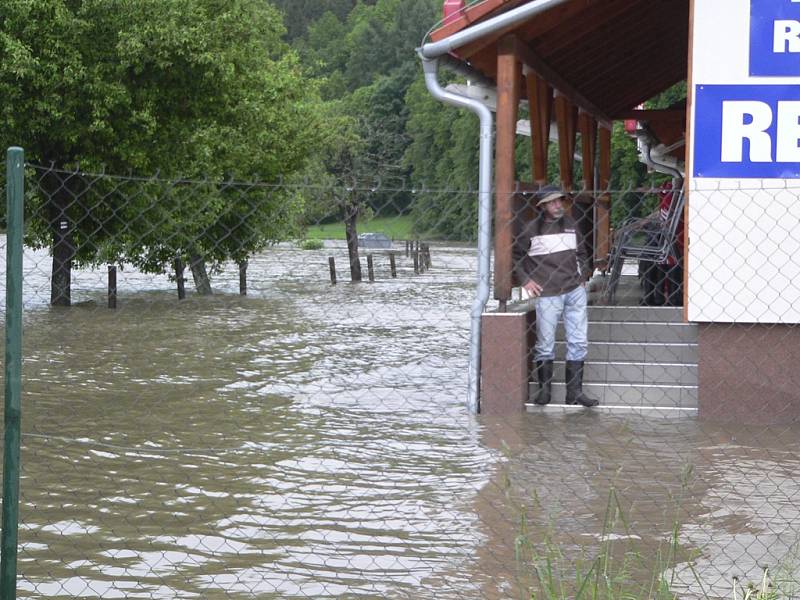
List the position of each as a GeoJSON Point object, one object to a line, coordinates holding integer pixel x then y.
{"type": "Point", "coordinates": [749, 374]}
{"type": "Point", "coordinates": [506, 342]}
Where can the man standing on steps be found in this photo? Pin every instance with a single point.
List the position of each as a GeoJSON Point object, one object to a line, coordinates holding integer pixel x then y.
{"type": "Point", "coordinates": [550, 257]}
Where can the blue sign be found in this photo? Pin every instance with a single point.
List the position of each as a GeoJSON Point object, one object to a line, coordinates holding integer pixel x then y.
{"type": "Point", "coordinates": [774, 38]}
{"type": "Point", "coordinates": [747, 131]}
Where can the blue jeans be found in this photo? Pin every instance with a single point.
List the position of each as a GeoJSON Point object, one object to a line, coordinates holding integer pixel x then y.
{"type": "Point", "coordinates": [549, 310]}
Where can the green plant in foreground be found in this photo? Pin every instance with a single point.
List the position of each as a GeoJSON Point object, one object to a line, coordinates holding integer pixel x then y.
{"type": "Point", "coordinates": [750, 592]}
{"type": "Point", "coordinates": [604, 577]}
{"type": "Point", "coordinates": [614, 572]}
{"type": "Point", "coordinates": [312, 244]}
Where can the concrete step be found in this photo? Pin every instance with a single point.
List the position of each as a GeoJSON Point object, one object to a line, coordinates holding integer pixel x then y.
{"type": "Point", "coordinates": [640, 358]}
{"type": "Point", "coordinates": [630, 395]}
{"type": "Point", "coordinates": [636, 313]}
{"type": "Point", "coordinates": [637, 331]}
{"type": "Point", "coordinates": [659, 412]}
{"type": "Point", "coordinates": [647, 352]}
{"type": "Point", "coordinates": [645, 373]}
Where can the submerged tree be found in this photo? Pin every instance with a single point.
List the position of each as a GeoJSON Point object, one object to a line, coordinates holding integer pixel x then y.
{"type": "Point", "coordinates": [195, 89]}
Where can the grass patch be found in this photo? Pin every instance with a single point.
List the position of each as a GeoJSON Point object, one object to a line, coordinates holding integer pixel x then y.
{"type": "Point", "coordinates": [311, 244]}
{"type": "Point", "coordinates": [607, 575]}
{"type": "Point", "coordinates": [618, 570]}
{"type": "Point", "coordinates": [397, 228]}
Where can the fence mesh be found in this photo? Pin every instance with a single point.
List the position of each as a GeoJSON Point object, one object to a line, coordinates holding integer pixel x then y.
{"type": "Point", "coordinates": [206, 415]}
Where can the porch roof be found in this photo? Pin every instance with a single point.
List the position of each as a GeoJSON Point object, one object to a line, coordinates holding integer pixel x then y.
{"type": "Point", "coordinates": [607, 56]}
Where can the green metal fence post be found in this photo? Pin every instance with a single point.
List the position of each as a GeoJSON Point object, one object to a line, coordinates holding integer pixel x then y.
{"type": "Point", "coordinates": [15, 167]}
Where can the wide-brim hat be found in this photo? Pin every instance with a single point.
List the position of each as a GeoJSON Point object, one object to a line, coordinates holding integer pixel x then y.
{"type": "Point", "coordinates": [550, 196]}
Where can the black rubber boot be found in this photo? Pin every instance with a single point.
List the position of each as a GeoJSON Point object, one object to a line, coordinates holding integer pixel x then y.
{"type": "Point", "coordinates": [574, 381]}
{"type": "Point", "coordinates": [544, 373]}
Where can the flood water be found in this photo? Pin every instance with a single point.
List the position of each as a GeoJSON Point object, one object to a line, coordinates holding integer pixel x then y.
{"type": "Point", "coordinates": [311, 441]}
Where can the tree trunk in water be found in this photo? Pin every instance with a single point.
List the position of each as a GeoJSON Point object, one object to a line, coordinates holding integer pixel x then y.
{"type": "Point", "coordinates": [179, 279]}
{"type": "Point", "coordinates": [58, 203]}
{"type": "Point", "coordinates": [201, 281]}
{"type": "Point", "coordinates": [351, 214]}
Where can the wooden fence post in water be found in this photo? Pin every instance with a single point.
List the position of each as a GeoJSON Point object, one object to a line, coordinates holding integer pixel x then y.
{"type": "Point", "coordinates": [415, 255]}
{"type": "Point", "coordinates": [355, 275]}
{"type": "Point", "coordinates": [392, 265]}
{"type": "Point", "coordinates": [179, 279]}
{"type": "Point", "coordinates": [332, 267]}
{"type": "Point", "coordinates": [408, 248]}
{"type": "Point", "coordinates": [370, 269]}
{"type": "Point", "coordinates": [243, 278]}
{"type": "Point", "coordinates": [112, 286]}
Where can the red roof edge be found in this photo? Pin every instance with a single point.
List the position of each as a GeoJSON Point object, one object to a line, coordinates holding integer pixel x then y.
{"type": "Point", "coordinates": [468, 16]}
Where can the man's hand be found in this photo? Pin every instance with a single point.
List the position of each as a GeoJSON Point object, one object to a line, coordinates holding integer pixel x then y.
{"type": "Point", "coordinates": [534, 289]}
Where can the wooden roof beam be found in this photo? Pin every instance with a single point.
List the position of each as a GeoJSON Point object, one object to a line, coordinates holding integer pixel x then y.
{"type": "Point", "coordinates": [633, 40]}
{"type": "Point", "coordinates": [638, 51]}
{"type": "Point", "coordinates": [634, 76]}
{"type": "Point", "coordinates": [596, 17]}
{"type": "Point", "coordinates": [656, 84]}
{"type": "Point", "coordinates": [630, 77]}
{"type": "Point", "coordinates": [542, 23]}
{"type": "Point", "coordinates": [535, 63]}
{"type": "Point", "coordinates": [625, 30]}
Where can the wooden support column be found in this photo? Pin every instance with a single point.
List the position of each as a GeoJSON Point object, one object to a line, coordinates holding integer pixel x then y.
{"type": "Point", "coordinates": [566, 119]}
{"type": "Point", "coordinates": [509, 76]}
{"type": "Point", "coordinates": [602, 246]}
{"type": "Point", "coordinates": [588, 127]}
{"type": "Point", "coordinates": [583, 211]}
{"type": "Point", "coordinates": [540, 100]}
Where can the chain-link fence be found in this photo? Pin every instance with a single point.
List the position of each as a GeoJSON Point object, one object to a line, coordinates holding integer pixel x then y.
{"type": "Point", "coordinates": [206, 414]}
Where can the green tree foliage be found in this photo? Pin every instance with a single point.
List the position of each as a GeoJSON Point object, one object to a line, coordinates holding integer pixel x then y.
{"type": "Point", "coordinates": [367, 63]}
{"type": "Point", "coordinates": [371, 42]}
{"type": "Point", "coordinates": [443, 156]}
{"type": "Point", "coordinates": [627, 171]}
{"type": "Point", "coordinates": [301, 14]}
{"type": "Point", "coordinates": [672, 97]}
{"type": "Point", "coordinates": [629, 176]}
{"type": "Point", "coordinates": [365, 60]}
{"type": "Point", "coordinates": [203, 89]}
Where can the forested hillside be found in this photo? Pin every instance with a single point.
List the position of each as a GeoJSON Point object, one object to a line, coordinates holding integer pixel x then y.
{"type": "Point", "coordinates": [384, 128]}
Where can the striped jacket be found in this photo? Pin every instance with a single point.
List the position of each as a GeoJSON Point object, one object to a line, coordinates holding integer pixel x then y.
{"type": "Point", "coordinates": [550, 254]}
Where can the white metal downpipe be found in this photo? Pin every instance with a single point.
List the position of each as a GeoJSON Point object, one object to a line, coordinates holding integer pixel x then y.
{"type": "Point", "coordinates": [430, 54]}
{"type": "Point", "coordinates": [645, 147]}
{"type": "Point", "coordinates": [431, 69]}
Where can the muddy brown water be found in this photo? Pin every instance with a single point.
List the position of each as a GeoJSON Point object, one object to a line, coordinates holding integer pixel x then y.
{"type": "Point", "coordinates": [311, 441]}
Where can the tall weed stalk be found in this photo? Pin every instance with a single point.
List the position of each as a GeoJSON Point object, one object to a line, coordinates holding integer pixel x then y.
{"type": "Point", "coordinates": [607, 575]}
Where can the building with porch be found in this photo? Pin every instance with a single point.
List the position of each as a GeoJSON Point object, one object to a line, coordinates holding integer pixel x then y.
{"type": "Point", "coordinates": [578, 66]}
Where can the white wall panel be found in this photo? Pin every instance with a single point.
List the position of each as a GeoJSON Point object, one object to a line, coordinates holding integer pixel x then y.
{"type": "Point", "coordinates": [743, 258]}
